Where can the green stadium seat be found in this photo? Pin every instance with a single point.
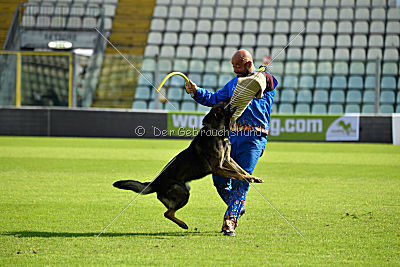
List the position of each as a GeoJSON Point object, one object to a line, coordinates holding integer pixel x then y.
{"type": "Point", "coordinates": [371, 68]}
{"type": "Point", "coordinates": [142, 93]}
{"type": "Point", "coordinates": [368, 109]}
{"type": "Point", "coordinates": [148, 64]}
{"type": "Point", "coordinates": [356, 82]}
{"type": "Point", "coordinates": [386, 109]}
{"type": "Point", "coordinates": [290, 82]}
{"type": "Point", "coordinates": [196, 66]}
{"type": "Point", "coordinates": [210, 80]}
{"type": "Point", "coordinates": [288, 96]}
{"type": "Point", "coordinates": [182, 51]}
{"type": "Point", "coordinates": [223, 79]}
{"type": "Point", "coordinates": [337, 96]}
{"type": "Point", "coordinates": [152, 105]}
{"type": "Point", "coordinates": [357, 68]}
{"type": "Point", "coordinates": [28, 21]}
{"type": "Point", "coordinates": [304, 96]}
{"type": "Point", "coordinates": [310, 53]}
{"type": "Point", "coordinates": [306, 82]}
{"type": "Point", "coordinates": [292, 67]}
{"type": "Point", "coordinates": [342, 54]}
{"type": "Point", "coordinates": [58, 22]}
{"type": "Point", "coordinates": [388, 83]}
{"type": "Point", "coordinates": [226, 67]}
{"type": "Point", "coordinates": [369, 97]}
{"type": "Point", "coordinates": [387, 97]}
{"type": "Point", "coordinates": [398, 108]}
{"type": "Point", "coordinates": [369, 82]}
{"type": "Point", "coordinates": [181, 65]}
{"type": "Point", "coordinates": [340, 68]}
{"type": "Point", "coordinates": [196, 78]}
{"type": "Point", "coordinates": [167, 51]}
{"type": "Point", "coordinates": [188, 105]}
{"type": "Point", "coordinates": [214, 52]}
{"type": "Point", "coordinates": [324, 68]}
{"type": "Point", "coordinates": [171, 105]}
{"type": "Point", "coordinates": [275, 68]}
{"type": "Point", "coordinates": [175, 93]}
{"type": "Point", "coordinates": [89, 23]}
{"type": "Point", "coordinates": [335, 109]}
{"type": "Point", "coordinates": [323, 82]}
{"type": "Point", "coordinates": [353, 96]}
{"type": "Point", "coordinates": [318, 109]}
{"type": "Point", "coordinates": [308, 68]}
{"type": "Point", "coordinates": [293, 54]}
{"type": "Point", "coordinates": [302, 108]}
{"type": "Point", "coordinates": [339, 82]}
{"type": "Point", "coordinates": [325, 53]}
{"type": "Point", "coordinates": [389, 68]}
{"type": "Point", "coordinates": [352, 108]}
{"type": "Point", "coordinates": [212, 66]}
{"type": "Point", "coordinates": [286, 108]}
{"type": "Point", "coordinates": [320, 96]}
{"type": "Point", "coordinates": [165, 65]}
{"type": "Point", "coordinates": [139, 104]}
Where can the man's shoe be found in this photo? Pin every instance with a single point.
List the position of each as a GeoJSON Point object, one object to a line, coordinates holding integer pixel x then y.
{"type": "Point", "coordinates": [228, 228]}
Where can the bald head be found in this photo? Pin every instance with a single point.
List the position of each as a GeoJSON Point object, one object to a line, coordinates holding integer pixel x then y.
{"type": "Point", "coordinates": [243, 55]}
{"type": "Point", "coordinates": [242, 63]}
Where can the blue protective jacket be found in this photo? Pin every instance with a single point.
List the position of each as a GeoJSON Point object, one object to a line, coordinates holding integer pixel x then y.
{"type": "Point", "coordinates": [256, 117]}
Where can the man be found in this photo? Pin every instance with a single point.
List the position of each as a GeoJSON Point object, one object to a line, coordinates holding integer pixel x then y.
{"type": "Point", "coordinates": [248, 134]}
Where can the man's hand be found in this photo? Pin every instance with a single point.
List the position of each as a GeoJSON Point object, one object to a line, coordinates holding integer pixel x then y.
{"type": "Point", "coordinates": [191, 88]}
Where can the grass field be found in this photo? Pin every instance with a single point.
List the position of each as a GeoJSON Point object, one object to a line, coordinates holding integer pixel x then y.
{"type": "Point", "coordinates": [56, 194]}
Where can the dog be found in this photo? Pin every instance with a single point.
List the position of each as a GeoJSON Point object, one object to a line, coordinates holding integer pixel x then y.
{"type": "Point", "coordinates": [208, 153]}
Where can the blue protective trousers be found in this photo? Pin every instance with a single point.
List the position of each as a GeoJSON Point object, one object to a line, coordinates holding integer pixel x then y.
{"type": "Point", "coordinates": [246, 150]}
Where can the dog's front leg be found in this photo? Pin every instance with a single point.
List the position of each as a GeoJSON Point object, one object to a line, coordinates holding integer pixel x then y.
{"type": "Point", "coordinates": [232, 171]}
{"type": "Point", "coordinates": [232, 165]}
{"type": "Point", "coordinates": [227, 150]}
{"type": "Point", "coordinates": [225, 172]}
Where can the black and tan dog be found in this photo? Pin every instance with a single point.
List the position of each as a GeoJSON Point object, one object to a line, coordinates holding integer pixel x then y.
{"type": "Point", "coordinates": [208, 153]}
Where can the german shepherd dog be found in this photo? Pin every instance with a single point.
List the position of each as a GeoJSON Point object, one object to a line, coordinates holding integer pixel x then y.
{"type": "Point", "coordinates": [208, 153]}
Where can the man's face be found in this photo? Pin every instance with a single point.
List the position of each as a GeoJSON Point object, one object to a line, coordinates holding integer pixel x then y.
{"type": "Point", "coordinates": [240, 67]}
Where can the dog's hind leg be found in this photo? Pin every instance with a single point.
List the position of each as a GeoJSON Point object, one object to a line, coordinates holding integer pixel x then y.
{"type": "Point", "coordinates": [170, 214]}
{"type": "Point", "coordinates": [173, 199]}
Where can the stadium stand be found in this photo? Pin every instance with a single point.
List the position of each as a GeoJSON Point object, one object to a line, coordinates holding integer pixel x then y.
{"type": "Point", "coordinates": [130, 33]}
{"type": "Point", "coordinates": [330, 68]}
{"type": "Point", "coordinates": [45, 79]}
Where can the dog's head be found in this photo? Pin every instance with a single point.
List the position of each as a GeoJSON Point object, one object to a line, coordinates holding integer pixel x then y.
{"type": "Point", "coordinates": [219, 115]}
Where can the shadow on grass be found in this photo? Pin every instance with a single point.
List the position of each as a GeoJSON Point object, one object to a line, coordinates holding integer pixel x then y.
{"type": "Point", "coordinates": [21, 234]}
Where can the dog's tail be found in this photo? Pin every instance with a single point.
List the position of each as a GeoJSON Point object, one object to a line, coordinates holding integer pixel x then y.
{"type": "Point", "coordinates": [138, 187]}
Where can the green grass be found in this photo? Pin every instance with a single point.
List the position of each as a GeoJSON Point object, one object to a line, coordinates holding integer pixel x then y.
{"type": "Point", "coordinates": [56, 194]}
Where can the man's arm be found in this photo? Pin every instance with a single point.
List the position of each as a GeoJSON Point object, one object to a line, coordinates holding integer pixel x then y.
{"type": "Point", "coordinates": [271, 82]}
{"type": "Point", "coordinates": [207, 98]}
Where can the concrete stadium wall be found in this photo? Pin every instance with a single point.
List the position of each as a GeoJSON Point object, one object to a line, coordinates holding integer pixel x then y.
{"type": "Point", "coordinates": [126, 123]}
